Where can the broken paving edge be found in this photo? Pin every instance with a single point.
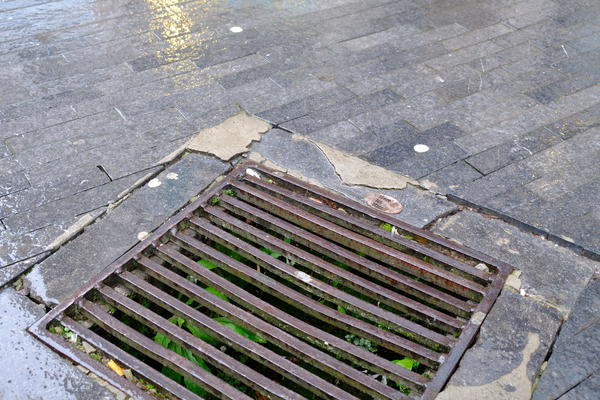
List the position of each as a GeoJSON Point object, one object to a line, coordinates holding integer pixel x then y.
{"type": "Point", "coordinates": [525, 226]}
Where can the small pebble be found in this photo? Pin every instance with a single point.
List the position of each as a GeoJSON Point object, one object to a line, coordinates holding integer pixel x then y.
{"type": "Point", "coordinates": [142, 235]}
{"type": "Point", "coordinates": [154, 183]}
{"type": "Point", "coordinates": [236, 29]}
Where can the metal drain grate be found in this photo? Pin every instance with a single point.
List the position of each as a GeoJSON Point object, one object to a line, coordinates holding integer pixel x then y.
{"type": "Point", "coordinates": [266, 287]}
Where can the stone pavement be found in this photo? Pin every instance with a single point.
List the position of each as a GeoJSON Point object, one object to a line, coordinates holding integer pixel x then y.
{"type": "Point", "coordinates": [504, 94]}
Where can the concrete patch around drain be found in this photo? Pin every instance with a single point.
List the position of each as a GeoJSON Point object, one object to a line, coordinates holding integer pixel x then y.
{"type": "Point", "coordinates": [229, 138]}
{"type": "Point", "coordinates": [354, 171]}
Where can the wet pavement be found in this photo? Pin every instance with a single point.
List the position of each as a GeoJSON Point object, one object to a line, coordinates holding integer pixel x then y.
{"type": "Point", "coordinates": [493, 103]}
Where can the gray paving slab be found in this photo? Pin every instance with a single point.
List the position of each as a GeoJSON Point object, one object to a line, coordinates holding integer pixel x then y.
{"type": "Point", "coordinates": [30, 370]}
{"type": "Point", "coordinates": [102, 242]}
{"type": "Point", "coordinates": [506, 357]}
{"type": "Point", "coordinates": [574, 366]}
{"type": "Point", "coordinates": [542, 262]}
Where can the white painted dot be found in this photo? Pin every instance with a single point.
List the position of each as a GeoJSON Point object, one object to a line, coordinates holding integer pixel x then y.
{"type": "Point", "coordinates": [142, 235]}
{"type": "Point", "coordinates": [236, 29]}
{"type": "Point", "coordinates": [154, 183]}
{"type": "Point", "coordinates": [172, 176]}
{"type": "Point", "coordinates": [421, 148]}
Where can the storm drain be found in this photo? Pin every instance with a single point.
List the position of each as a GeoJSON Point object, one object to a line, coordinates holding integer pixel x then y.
{"type": "Point", "coordinates": [269, 288]}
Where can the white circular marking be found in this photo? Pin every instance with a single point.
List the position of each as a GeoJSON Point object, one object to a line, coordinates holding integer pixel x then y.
{"type": "Point", "coordinates": [421, 148]}
{"type": "Point", "coordinates": [172, 175]}
{"type": "Point", "coordinates": [236, 29]}
{"type": "Point", "coordinates": [154, 183]}
{"type": "Point", "coordinates": [142, 235]}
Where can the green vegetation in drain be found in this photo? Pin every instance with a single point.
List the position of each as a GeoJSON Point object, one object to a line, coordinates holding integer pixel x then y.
{"type": "Point", "coordinates": [229, 192]}
{"type": "Point", "coordinates": [217, 293]}
{"type": "Point", "coordinates": [361, 342]}
{"type": "Point", "coordinates": [201, 334]}
{"type": "Point", "coordinates": [177, 348]}
{"type": "Point", "coordinates": [391, 228]}
{"type": "Point", "coordinates": [215, 200]}
{"type": "Point", "coordinates": [387, 227]}
{"type": "Point", "coordinates": [410, 365]}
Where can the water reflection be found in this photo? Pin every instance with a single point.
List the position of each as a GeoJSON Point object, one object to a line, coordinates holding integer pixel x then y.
{"type": "Point", "coordinates": [36, 19]}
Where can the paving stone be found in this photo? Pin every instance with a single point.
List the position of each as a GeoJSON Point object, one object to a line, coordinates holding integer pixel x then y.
{"type": "Point", "coordinates": [555, 90]}
{"type": "Point", "coordinates": [61, 210]}
{"type": "Point", "coordinates": [306, 105]}
{"type": "Point", "coordinates": [499, 156]}
{"type": "Point", "coordinates": [577, 123]}
{"type": "Point", "coordinates": [12, 178]}
{"type": "Point", "coordinates": [18, 247]}
{"type": "Point", "coordinates": [542, 262]}
{"type": "Point", "coordinates": [49, 187]}
{"type": "Point", "coordinates": [573, 368]}
{"type": "Point", "coordinates": [304, 157]}
{"type": "Point", "coordinates": [464, 55]}
{"type": "Point", "coordinates": [339, 112]}
{"type": "Point", "coordinates": [402, 157]}
{"type": "Point", "coordinates": [327, 66]}
{"type": "Point", "coordinates": [10, 272]}
{"type": "Point", "coordinates": [476, 36]}
{"type": "Point", "coordinates": [512, 345]}
{"type": "Point", "coordinates": [451, 176]}
{"type": "Point", "coordinates": [30, 369]}
{"type": "Point", "coordinates": [67, 269]}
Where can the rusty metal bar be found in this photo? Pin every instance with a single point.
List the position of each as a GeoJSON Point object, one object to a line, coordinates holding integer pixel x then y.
{"type": "Point", "coordinates": [372, 248]}
{"type": "Point", "coordinates": [352, 207]}
{"type": "Point", "coordinates": [165, 356]}
{"type": "Point", "coordinates": [374, 270]}
{"type": "Point", "coordinates": [214, 356]}
{"type": "Point", "coordinates": [286, 321]}
{"type": "Point", "coordinates": [286, 341]}
{"type": "Point", "coordinates": [353, 281]}
{"type": "Point", "coordinates": [374, 232]}
{"type": "Point", "coordinates": [127, 360]}
{"type": "Point", "coordinates": [317, 287]}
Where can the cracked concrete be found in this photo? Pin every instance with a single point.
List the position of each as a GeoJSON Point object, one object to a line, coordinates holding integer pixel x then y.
{"type": "Point", "coordinates": [357, 172]}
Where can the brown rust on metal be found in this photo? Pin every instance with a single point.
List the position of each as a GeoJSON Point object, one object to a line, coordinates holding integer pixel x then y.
{"type": "Point", "coordinates": [330, 249]}
{"type": "Point", "coordinates": [372, 248]}
{"type": "Point", "coordinates": [325, 235]}
{"type": "Point", "coordinates": [315, 286]}
{"type": "Point", "coordinates": [383, 337]}
{"type": "Point", "coordinates": [286, 341]}
{"type": "Point", "coordinates": [329, 210]}
{"type": "Point", "coordinates": [126, 359]}
{"type": "Point", "coordinates": [330, 271]}
{"type": "Point", "coordinates": [154, 350]}
{"type": "Point", "coordinates": [283, 320]}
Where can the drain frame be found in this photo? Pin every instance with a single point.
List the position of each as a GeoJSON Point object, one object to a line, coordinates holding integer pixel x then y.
{"type": "Point", "coordinates": [432, 388]}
